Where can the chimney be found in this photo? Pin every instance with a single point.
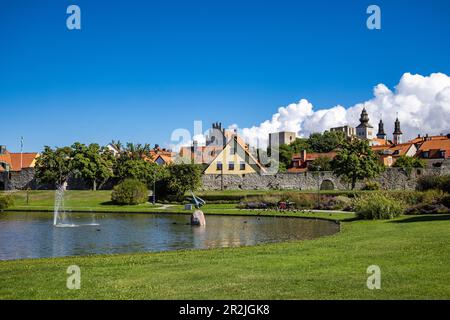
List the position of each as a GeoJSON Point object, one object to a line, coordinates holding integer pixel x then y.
{"type": "Point", "coordinates": [2, 149]}
{"type": "Point", "coordinates": [303, 155]}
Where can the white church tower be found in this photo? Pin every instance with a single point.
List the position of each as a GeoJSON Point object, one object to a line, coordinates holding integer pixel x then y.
{"type": "Point", "coordinates": [397, 133]}
{"type": "Point", "coordinates": [364, 130]}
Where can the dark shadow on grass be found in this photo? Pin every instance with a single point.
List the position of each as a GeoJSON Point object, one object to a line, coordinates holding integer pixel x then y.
{"type": "Point", "coordinates": [108, 203]}
{"type": "Point", "coordinates": [425, 218]}
{"type": "Point", "coordinates": [351, 219]}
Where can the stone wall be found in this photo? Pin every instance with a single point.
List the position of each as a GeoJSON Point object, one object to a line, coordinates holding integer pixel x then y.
{"type": "Point", "coordinates": [24, 179]}
{"type": "Point", "coordinates": [16, 180]}
{"type": "Point", "coordinates": [392, 178]}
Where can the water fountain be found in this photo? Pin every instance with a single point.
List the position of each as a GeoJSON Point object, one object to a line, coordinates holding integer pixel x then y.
{"type": "Point", "coordinates": [60, 217]}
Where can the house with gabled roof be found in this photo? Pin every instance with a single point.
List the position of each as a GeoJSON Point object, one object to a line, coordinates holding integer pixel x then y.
{"type": "Point", "coordinates": [16, 161]}
{"type": "Point", "coordinates": [389, 153]}
{"type": "Point", "coordinates": [435, 151]}
{"type": "Point", "coordinates": [234, 159]}
{"type": "Point", "coordinates": [13, 164]}
{"type": "Point", "coordinates": [301, 161]}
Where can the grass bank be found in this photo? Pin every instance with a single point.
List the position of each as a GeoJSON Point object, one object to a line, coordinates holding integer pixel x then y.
{"type": "Point", "coordinates": [100, 201]}
{"type": "Point", "coordinates": [412, 252]}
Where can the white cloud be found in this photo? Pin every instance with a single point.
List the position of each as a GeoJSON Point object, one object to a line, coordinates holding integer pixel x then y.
{"type": "Point", "coordinates": [422, 104]}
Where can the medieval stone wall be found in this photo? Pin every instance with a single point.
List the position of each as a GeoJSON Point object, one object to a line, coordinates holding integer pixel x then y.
{"type": "Point", "coordinates": [392, 179]}
{"type": "Point", "coordinates": [18, 180]}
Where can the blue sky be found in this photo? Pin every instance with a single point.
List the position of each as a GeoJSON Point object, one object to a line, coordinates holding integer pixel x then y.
{"type": "Point", "coordinates": [137, 70]}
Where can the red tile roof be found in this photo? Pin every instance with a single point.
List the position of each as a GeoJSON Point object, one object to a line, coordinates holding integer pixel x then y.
{"type": "Point", "coordinates": [310, 156]}
{"type": "Point", "coordinates": [295, 170]}
{"type": "Point", "coordinates": [15, 159]}
{"type": "Point", "coordinates": [381, 142]}
{"type": "Point", "coordinates": [434, 147]}
{"type": "Point", "coordinates": [396, 150]}
{"type": "Point", "coordinates": [422, 139]}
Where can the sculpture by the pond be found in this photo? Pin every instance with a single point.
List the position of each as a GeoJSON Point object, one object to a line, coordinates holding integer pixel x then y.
{"type": "Point", "coordinates": [198, 218]}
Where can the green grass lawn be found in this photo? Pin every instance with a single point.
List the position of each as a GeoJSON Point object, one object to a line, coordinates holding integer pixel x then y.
{"type": "Point", "coordinates": [412, 252]}
{"type": "Point", "coordinates": [100, 201]}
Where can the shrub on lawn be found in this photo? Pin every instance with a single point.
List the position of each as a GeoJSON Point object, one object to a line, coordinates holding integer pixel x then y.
{"type": "Point", "coordinates": [371, 185]}
{"type": "Point", "coordinates": [434, 202]}
{"type": "Point", "coordinates": [268, 200]}
{"type": "Point", "coordinates": [130, 191]}
{"type": "Point", "coordinates": [445, 200]}
{"type": "Point", "coordinates": [336, 203]}
{"type": "Point", "coordinates": [222, 198]}
{"type": "Point", "coordinates": [427, 208]}
{"type": "Point", "coordinates": [378, 206]}
{"type": "Point", "coordinates": [271, 200]}
{"type": "Point", "coordinates": [427, 183]}
{"type": "Point", "coordinates": [444, 184]}
{"type": "Point", "coordinates": [412, 198]}
{"type": "Point", "coordinates": [301, 200]}
{"type": "Point", "coordinates": [6, 201]}
{"type": "Point", "coordinates": [434, 182]}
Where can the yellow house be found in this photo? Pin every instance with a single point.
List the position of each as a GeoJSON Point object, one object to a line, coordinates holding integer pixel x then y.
{"type": "Point", "coordinates": [235, 159]}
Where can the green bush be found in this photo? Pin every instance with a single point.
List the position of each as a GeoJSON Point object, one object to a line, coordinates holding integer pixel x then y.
{"type": "Point", "coordinates": [378, 206]}
{"type": "Point", "coordinates": [444, 184]}
{"type": "Point", "coordinates": [130, 191]}
{"type": "Point", "coordinates": [178, 180]}
{"type": "Point", "coordinates": [445, 200]}
{"type": "Point", "coordinates": [412, 198]}
{"type": "Point", "coordinates": [334, 203]}
{"type": "Point", "coordinates": [434, 182]}
{"type": "Point", "coordinates": [301, 200]}
{"type": "Point", "coordinates": [270, 200]}
{"type": "Point", "coordinates": [6, 201]}
{"type": "Point", "coordinates": [222, 198]}
{"type": "Point", "coordinates": [371, 185]}
{"type": "Point", "coordinates": [428, 208]}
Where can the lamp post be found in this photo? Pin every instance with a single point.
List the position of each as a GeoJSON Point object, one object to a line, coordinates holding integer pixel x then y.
{"type": "Point", "coordinates": [154, 190]}
{"type": "Point", "coordinates": [318, 187]}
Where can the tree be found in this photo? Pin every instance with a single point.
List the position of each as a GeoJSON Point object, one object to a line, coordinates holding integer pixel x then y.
{"type": "Point", "coordinates": [136, 151]}
{"type": "Point", "coordinates": [179, 179]}
{"type": "Point", "coordinates": [299, 145]}
{"type": "Point", "coordinates": [92, 163]}
{"type": "Point", "coordinates": [54, 166]}
{"type": "Point", "coordinates": [322, 163]}
{"type": "Point", "coordinates": [408, 163]}
{"type": "Point", "coordinates": [317, 142]}
{"type": "Point", "coordinates": [356, 161]}
{"type": "Point", "coordinates": [133, 162]}
{"type": "Point", "coordinates": [138, 169]}
{"type": "Point", "coordinates": [325, 142]}
{"type": "Point", "coordinates": [285, 154]}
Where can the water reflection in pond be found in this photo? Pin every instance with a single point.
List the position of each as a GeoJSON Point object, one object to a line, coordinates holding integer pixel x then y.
{"type": "Point", "coordinates": [32, 235]}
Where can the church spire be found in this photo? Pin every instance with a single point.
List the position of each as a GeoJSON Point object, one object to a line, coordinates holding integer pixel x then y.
{"type": "Point", "coordinates": [364, 119]}
{"type": "Point", "coordinates": [364, 130]}
{"type": "Point", "coordinates": [381, 134]}
{"type": "Point", "coordinates": [397, 132]}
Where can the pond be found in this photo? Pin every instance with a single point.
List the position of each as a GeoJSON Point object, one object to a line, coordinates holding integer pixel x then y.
{"type": "Point", "coordinates": [32, 234]}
